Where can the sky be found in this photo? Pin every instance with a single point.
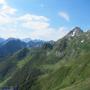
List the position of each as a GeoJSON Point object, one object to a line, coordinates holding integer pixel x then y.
{"type": "Point", "coordinates": [42, 19]}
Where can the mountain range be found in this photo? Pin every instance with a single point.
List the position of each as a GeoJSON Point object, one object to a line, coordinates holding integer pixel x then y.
{"type": "Point", "coordinates": [46, 65]}
{"type": "Point", "coordinates": [12, 45]}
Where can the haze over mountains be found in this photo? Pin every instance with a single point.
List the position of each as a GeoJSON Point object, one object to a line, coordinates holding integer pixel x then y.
{"type": "Point", "coordinates": [11, 45]}
{"type": "Point", "coordinates": [46, 65]}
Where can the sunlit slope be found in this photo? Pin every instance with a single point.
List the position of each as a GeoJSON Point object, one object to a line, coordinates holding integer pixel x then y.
{"type": "Point", "coordinates": [64, 65]}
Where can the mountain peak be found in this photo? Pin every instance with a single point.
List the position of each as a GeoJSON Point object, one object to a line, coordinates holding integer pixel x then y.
{"type": "Point", "coordinates": [77, 29]}
{"type": "Point", "coordinates": [75, 32]}
{"type": "Point", "coordinates": [26, 40]}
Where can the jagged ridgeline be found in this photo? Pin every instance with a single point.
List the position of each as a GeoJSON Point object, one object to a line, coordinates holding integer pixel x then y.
{"type": "Point", "coordinates": [60, 65]}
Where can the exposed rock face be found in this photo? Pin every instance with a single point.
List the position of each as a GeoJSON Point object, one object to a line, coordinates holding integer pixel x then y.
{"type": "Point", "coordinates": [75, 32]}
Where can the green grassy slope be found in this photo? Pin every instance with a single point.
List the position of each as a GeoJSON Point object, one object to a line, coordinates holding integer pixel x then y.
{"type": "Point", "coordinates": [71, 73]}
{"type": "Point", "coordinates": [65, 66]}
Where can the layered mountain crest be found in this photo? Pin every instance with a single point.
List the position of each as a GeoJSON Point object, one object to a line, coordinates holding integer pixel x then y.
{"type": "Point", "coordinates": [60, 65]}
{"type": "Point", "coordinates": [75, 32]}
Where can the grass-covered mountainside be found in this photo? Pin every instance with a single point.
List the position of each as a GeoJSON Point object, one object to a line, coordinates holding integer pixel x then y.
{"type": "Point", "coordinates": [63, 65]}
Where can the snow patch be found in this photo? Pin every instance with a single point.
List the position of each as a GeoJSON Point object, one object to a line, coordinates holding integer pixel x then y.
{"type": "Point", "coordinates": [82, 41]}
{"type": "Point", "coordinates": [73, 34]}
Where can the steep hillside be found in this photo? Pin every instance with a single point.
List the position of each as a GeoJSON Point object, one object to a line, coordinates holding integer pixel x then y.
{"type": "Point", "coordinates": [63, 65]}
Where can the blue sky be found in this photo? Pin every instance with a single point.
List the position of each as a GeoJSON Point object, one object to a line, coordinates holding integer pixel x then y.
{"type": "Point", "coordinates": [42, 19]}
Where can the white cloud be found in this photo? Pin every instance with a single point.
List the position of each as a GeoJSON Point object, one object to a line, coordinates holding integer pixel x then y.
{"type": "Point", "coordinates": [28, 25]}
{"type": "Point", "coordinates": [36, 25]}
{"type": "Point", "coordinates": [5, 8]}
{"type": "Point", "coordinates": [46, 34]}
{"type": "Point", "coordinates": [5, 20]}
{"type": "Point", "coordinates": [28, 17]}
{"type": "Point", "coordinates": [34, 22]}
{"type": "Point", "coordinates": [49, 34]}
{"type": "Point", "coordinates": [7, 13]}
{"type": "Point", "coordinates": [2, 2]}
{"type": "Point", "coordinates": [64, 15]}
{"type": "Point", "coordinates": [8, 10]}
{"type": "Point", "coordinates": [8, 33]}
